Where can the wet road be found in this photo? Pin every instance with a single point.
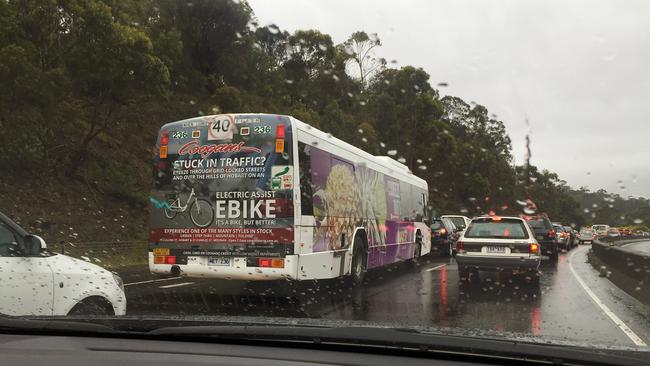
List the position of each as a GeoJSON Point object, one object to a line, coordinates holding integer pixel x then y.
{"type": "Point", "coordinates": [571, 302]}
{"type": "Point", "coordinates": [641, 246]}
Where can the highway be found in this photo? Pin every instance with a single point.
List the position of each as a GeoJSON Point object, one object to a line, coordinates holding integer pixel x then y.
{"type": "Point", "coordinates": [639, 246]}
{"type": "Point", "coordinates": [571, 303]}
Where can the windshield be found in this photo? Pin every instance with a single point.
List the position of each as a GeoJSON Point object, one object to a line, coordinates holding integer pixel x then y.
{"type": "Point", "coordinates": [505, 228]}
{"type": "Point", "coordinates": [458, 221]}
{"type": "Point", "coordinates": [539, 224]}
{"type": "Point", "coordinates": [329, 164]}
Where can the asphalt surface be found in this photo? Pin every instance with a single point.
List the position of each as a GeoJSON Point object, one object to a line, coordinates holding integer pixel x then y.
{"type": "Point", "coordinates": [570, 303]}
{"type": "Point", "coordinates": [639, 246]}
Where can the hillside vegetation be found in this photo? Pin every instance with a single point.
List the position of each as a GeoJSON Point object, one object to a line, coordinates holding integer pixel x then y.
{"type": "Point", "coordinates": [86, 84]}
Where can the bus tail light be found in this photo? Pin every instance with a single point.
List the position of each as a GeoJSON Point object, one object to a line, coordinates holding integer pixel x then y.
{"type": "Point", "coordinates": [164, 259]}
{"type": "Point", "coordinates": [279, 138]}
{"type": "Point", "coordinates": [271, 262]}
{"type": "Point", "coordinates": [164, 141]}
{"type": "Point", "coordinates": [279, 131]}
{"type": "Point", "coordinates": [534, 248]}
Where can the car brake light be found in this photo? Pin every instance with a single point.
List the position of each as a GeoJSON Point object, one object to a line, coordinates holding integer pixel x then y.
{"type": "Point", "coordinates": [460, 246]}
{"type": "Point", "coordinates": [170, 259]}
{"type": "Point", "coordinates": [534, 248]}
{"type": "Point", "coordinates": [551, 233]}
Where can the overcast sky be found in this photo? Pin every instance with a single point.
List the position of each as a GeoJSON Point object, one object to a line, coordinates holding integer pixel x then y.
{"type": "Point", "coordinates": [578, 70]}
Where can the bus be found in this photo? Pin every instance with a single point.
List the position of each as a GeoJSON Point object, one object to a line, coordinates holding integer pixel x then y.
{"type": "Point", "coordinates": [267, 197]}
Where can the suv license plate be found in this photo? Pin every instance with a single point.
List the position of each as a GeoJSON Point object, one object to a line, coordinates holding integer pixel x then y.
{"type": "Point", "coordinates": [218, 261]}
{"type": "Point", "coordinates": [500, 250]}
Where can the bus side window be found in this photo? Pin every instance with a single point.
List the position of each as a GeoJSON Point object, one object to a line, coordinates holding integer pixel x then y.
{"type": "Point", "coordinates": [306, 192]}
{"type": "Point", "coordinates": [408, 201]}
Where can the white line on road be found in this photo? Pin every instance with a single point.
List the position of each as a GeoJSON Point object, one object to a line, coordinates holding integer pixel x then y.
{"type": "Point", "coordinates": [151, 281]}
{"type": "Point", "coordinates": [621, 325]}
{"type": "Point", "coordinates": [176, 285]}
{"type": "Point", "coordinates": [436, 267]}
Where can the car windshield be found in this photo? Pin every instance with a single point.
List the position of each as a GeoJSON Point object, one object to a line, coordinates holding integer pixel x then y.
{"type": "Point", "coordinates": [504, 228]}
{"type": "Point", "coordinates": [458, 221]}
{"type": "Point", "coordinates": [294, 163]}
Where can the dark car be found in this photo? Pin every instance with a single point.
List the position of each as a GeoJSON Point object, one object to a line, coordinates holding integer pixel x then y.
{"type": "Point", "coordinates": [443, 236]}
{"type": "Point", "coordinates": [544, 234]}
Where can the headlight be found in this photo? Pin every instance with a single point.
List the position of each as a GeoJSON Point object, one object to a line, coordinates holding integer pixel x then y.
{"type": "Point", "coordinates": [119, 281]}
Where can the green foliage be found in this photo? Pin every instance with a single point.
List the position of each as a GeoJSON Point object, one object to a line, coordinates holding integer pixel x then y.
{"type": "Point", "coordinates": [86, 83]}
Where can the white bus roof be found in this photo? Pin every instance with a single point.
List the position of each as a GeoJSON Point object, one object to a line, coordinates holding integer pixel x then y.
{"type": "Point", "coordinates": [383, 164]}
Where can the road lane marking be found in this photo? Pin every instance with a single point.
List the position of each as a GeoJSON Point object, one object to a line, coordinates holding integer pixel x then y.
{"type": "Point", "coordinates": [436, 267]}
{"type": "Point", "coordinates": [621, 325]}
{"type": "Point", "coordinates": [176, 285]}
{"type": "Point", "coordinates": [151, 281]}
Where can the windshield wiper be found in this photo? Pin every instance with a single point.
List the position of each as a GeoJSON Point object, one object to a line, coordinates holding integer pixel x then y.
{"type": "Point", "coordinates": [406, 340]}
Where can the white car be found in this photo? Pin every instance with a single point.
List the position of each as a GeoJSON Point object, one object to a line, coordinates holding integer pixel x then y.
{"type": "Point", "coordinates": [498, 243]}
{"type": "Point", "coordinates": [601, 230]}
{"type": "Point", "coordinates": [35, 282]}
{"type": "Point", "coordinates": [586, 235]}
{"type": "Point", "coordinates": [459, 221]}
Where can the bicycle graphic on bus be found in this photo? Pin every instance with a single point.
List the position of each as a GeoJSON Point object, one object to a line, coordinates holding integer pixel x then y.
{"type": "Point", "coordinates": [201, 210]}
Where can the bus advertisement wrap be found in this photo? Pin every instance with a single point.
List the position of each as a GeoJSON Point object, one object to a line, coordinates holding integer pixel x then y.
{"type": "Point", "coordinates": [224, 184]}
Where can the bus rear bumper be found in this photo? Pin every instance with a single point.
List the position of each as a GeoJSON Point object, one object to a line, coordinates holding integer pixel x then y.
{"type": "Point", "coordinates": [237, 270]}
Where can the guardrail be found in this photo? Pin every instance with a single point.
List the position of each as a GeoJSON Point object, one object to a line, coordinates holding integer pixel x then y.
{"type": "Point", "coordinates": [620, 239]}
{"type": "Point", "coordinates": [628, 269]}
{"type": "Point", "coordinates": [109, 254]}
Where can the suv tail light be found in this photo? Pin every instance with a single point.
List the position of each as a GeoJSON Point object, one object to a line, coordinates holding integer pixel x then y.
{"type": "Point", "coordinates": [534, 248]}
{"type": "Point", "coordinates": [460, 246]}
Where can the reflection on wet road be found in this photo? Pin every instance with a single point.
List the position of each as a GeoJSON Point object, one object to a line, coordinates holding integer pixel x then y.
{"type": "Point", "coordinates": [427, 294]}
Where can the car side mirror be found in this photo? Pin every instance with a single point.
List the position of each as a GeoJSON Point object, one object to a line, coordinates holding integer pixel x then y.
{"type": "Point", "coordinates": [34, 244]}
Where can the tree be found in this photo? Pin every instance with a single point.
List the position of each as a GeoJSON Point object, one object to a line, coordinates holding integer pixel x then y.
{"type": "Point", "coordinates": [360, 47]}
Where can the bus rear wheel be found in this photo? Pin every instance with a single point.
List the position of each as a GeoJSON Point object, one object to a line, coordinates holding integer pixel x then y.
{"type": "Point", "coordinates": [359, 265]}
